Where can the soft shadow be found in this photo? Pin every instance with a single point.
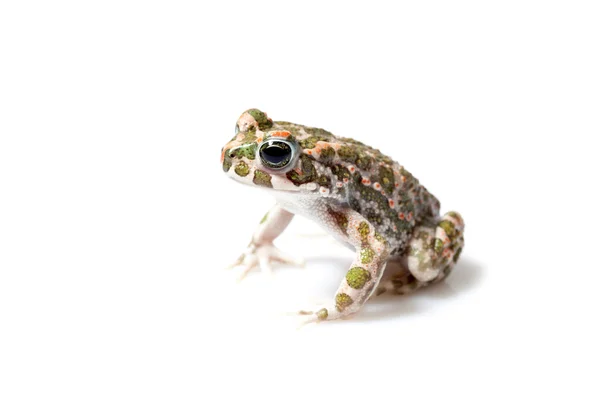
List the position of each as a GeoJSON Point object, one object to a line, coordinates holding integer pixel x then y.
{"type": "Point", "coordinates": [467, 275]}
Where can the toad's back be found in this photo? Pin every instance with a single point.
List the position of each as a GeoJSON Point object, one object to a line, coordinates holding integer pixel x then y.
{"type": "Point", "coordinates": [366, 180]}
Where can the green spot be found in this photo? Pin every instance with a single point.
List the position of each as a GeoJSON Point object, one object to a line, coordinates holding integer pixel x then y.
{"type": "Point", "coordinates": [324, 181]}
{"type": "Point", "coordinates": [340, 219]}
{"type": "Point", "coordinates": [250, 135]}
{"type": "Point", "coordinates": [263, 121]}
{"type": "Point", "coordinates": [242, 169]}
{"type": "Point", "coordinates": [308, 173]}
{"type": "Point", "coordinates": [366, 255]}
{"type": "Point", "coordinates": [348, 154]}
{"type": "Point", "coordinates": [363, 231]}
{"type": "Point", "coordinates": [449, 228]}
{"type": "Point", "coordinates": [386, 178]}
{"type": "Point", "coordinates": [248, 151]}
{"type": "Point", "coordinates": [357, 277]}
{"type": "Point", "coordinates": [379, 209]}
{"type": "Point", "coordinates": [457, 255]}
{"type": "Point", "coordinates": [327, 155]}
{"type": "Point", "coordinates": [262, 179]}
{"type": "Point", "coordinates": [341, 172]}
{"type": "Point", "coordinates": [309, 143]}
{"type": "Point", "coordinates": [264, 219]}
{"type": "Point", "coordinates": [363, 162]}
{"type": "Point", "coordinates": [227, 162]}
{"type": "Point", "coordinates": [316, 135]}
{"type": "Point", "coordinates": [439, 246]}
{"type": "Point", "coordinates": [322, 314]}
{"type": "Point", "coordinates": [342, 301]}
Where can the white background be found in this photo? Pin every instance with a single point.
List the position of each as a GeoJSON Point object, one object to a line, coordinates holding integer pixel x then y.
{"type": "Point", "coordinates": [116, 219]}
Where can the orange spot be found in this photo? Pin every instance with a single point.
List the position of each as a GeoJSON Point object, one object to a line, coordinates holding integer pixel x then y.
{"type": "Point", "coordinates": [409, 216]}
{"type": "Point", "coordinates": [282, 134]}
{"type": "Point", "coordinates": [222, 156]}
{"type": "Point", "coordinates": [391, 203]}
{"type": "Point", "coordinates": [309, 152]}
{"type": "Point", "coordinates": [377, 186]}
{"type": "Point", "coordinates": [345, 180]}
{"type": "Point", "coordinates": [403, 178]}
{"type": "Point", "coordinates": [365, 181]}
{"type": "Point", "coordinates": [401, 215]}
{"type": "Point", "coordinates": [260, 139]}
{"type": "Point", "coordinates": [397, 184]}
{"type": "Point", "coordinates": [351, 168]}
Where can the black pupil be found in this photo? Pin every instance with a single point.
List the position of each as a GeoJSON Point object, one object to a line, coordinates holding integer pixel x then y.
{"type": "Point", "coordinates": [276, 154]}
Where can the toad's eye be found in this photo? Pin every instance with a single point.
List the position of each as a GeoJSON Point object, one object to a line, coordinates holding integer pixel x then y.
{"type": "Point", "coordinates": [275, 154]}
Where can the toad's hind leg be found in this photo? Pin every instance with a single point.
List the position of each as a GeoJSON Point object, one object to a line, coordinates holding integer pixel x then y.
{"type": "Point", "coordinates": [432, 253]}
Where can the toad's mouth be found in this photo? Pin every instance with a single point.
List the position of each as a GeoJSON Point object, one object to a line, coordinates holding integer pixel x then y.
{"type": "Point", "coordinates": [260, 179]}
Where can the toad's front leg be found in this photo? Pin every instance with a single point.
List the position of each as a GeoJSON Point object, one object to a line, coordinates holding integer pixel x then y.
{"type": "Point", "coordinates": [261, 251]}
{"type": "Point", "coordinates": [372, 252]}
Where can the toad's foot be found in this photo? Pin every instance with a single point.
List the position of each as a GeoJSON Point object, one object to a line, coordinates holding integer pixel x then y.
{"type": "Point", "coordinates": [262, 256]}
{"type": "Point", "coordinates": [319, 311]}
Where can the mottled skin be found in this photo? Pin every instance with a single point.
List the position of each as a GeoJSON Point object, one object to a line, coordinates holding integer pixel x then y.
{"type": "Point", "coordinates": [362, 197]}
